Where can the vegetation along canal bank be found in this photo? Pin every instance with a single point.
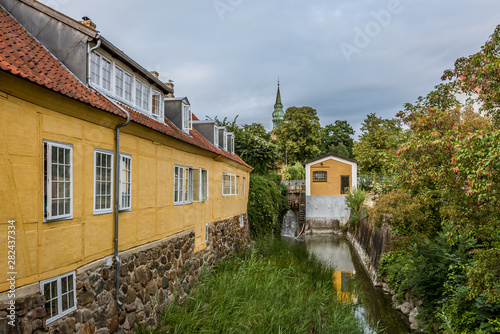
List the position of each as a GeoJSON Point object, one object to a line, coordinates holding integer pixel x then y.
{"type": "Point", "coordinates": [272, 287]}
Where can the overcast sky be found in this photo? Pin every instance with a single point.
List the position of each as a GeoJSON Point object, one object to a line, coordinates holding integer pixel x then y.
{"type": "Point", "coordinates": [346, 59]}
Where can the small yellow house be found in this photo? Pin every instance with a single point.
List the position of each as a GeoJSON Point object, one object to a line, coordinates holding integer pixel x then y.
{"type": "Point", "coordinates": [328, 179]}
{"type": "Point", "coordinates": [110, 197]}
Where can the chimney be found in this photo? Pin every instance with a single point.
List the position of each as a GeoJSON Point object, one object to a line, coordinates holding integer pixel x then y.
{"type": "Point", "coordinates": [88, 22]}
{"type": "Point", "coordinates": [156, 74]}
{"type": "Point", "coordinates": [170, 84]}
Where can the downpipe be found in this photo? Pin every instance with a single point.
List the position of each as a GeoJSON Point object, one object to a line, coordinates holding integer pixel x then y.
{"type": "Point", "coordinates": [117, 203]}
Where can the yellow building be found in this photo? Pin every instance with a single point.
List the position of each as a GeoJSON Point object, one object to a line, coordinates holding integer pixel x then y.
{"type": "Point", "coordinates": [328, 179]}
{"type": "Point", "coordinates": [108, 190]}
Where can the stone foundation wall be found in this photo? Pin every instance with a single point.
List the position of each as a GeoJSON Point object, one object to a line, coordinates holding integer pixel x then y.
{"type": "Point", "coordinates": [151, 276]}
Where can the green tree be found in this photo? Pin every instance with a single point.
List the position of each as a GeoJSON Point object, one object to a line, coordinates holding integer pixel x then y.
{"type": "Point", "coordinates": [254, 145]}
{"type": "Point", "coordinates": [337, 138]}
{"type": "Point", "coordinates": [298, 135]}
{"type": "Point", "coordinates": [377, 144]}
{"type": "Point", "coordinates": [477, 76]}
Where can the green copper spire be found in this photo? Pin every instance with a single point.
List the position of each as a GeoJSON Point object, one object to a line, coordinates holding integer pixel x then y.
{"type": "Point", "coordinates": [278, 113]}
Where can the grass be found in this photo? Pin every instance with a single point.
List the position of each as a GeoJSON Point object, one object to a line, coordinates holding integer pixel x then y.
{"type": "Point", "coordinates": [275, 287]}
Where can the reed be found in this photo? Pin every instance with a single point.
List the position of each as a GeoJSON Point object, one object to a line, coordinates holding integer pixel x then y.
{"type": "Point", "coordinates": [274, 287]}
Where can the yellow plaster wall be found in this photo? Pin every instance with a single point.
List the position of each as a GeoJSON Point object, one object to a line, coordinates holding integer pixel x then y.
{"type": "Point", "coordinates": [334, 169]}
{"type": "Point", "coordinates": [47, 249]}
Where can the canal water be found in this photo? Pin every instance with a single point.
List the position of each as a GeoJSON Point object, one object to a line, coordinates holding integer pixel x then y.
{"type": "Point", "coordinates": [353, 284]}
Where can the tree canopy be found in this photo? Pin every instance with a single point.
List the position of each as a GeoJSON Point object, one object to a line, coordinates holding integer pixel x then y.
{"type": "Point", "coordinates": [337, 138]}
{"type": "Point", "coordinates": [298, 135]}
{"type": "Point", "coordinates": [377, 143]}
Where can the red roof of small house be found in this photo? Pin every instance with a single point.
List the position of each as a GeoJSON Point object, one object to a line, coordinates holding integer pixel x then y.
{"type": "Point", "coordinates": [23, 56]}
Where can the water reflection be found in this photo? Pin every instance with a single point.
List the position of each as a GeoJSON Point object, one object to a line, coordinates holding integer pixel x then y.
{"type": "Point", "coordinates": [353, 284]}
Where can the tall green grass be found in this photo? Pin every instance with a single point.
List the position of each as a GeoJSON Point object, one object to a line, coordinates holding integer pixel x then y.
{"type": "Point", "coordinates": [275, 287]}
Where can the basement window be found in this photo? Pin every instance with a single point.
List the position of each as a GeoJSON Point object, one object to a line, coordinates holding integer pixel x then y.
{"type": "Point", "coordinates": [319, 176]}
{"type": "Point", "coordinates": [60, 296]}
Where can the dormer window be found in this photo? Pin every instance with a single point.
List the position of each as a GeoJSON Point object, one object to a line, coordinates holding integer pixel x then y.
{"type": "Point", "coordinates": [111, 76]}
{"type": "Point", "coordinates": [187, 118]}
{"type": "Point", "coordinates": [232, 144]}
{"type": "Point", "coordinates": [156, 105]}
{"type": "Point", "coordinates": [216, 136]}
{"type": "Point", "coordinates": [100, 71]}
{"type": "Point", "coordinates": [225, 139]}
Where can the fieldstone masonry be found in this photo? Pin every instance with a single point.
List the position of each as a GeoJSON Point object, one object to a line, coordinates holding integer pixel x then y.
{"type": "Point", "coordinates": [151, 276]}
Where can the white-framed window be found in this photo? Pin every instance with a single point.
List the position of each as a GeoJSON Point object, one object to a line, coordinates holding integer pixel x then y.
{"type": "Point", "coordinates": [233, 184]}
{"type": "Point", "coordinates": [145, 97]}
{"type": "Point", "coordinates": [188, 185]}
{"type": "Point", "coordinates": [197, 185]}
{"type": "Point", "coordinates": [156, 104]}
{"type": "Point", "coordinates": [138, 93]}
{"type": "Point", "coordinates": [243, 185]}
{"type": "Point", "coordinates": [60, 296]}
{"type": "Point", "coordinates": [206, 233]}
{"type": "Point", "coordinates": [216, 136]}
{"type": "Point", "coordinates": [224, 140]}
{"type": "Point", "coordinates": [57, 180]}
{"type": "Point", "coordinates": [127, 86]}
{"type": "Point", "coordinates": [236, 184]}
{"type": "Point", "coordinates": [100, 71]}
{"type": "Point", "coordinates": [226, 184]}
{"type": "Point", "coordinates": [186, 118]}
{"type": "Point", "coordinates": [178, 184]}
{"type": "Point", "coordinates": [200, 185]}
{"type": "Point", "coordinates": [125, 182]}
{"type": "Point", "coordinates": [119, 81]}
{"type": "Point", "coordinates": [95, 68]}
{"type": "Point", "coordinates": [103, 181]}
{"type": "Point", "coordinates": [232, 144]}
{"type": "Point", "coordinates": [106, 73]}
{"type": "Point", "coordinates": [204, 185]}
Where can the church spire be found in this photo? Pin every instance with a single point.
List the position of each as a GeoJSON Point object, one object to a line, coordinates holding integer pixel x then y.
{"type": "Point", "coordinates": [278, 113]}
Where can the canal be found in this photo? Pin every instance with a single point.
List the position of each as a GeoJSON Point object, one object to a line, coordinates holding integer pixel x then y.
{"type": "Point", "coordinates": [374, 307]}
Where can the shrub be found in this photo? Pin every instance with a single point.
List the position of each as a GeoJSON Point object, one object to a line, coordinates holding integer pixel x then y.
{"type": "Point", "coordinates": [405, 213]}
{"type": "Point", "coordinates": [267, 203]}
{"type": "Point", "coordinates": [294, 172]}
{"type": "Point", "coordinates": [353, 201]}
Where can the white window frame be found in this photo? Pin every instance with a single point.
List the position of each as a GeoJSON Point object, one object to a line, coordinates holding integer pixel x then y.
{"type": "Point", "coordinates": [159, 112]}
{"type": "Point", "coordinates": [125, 183]}
{"type": "Point", "coordinates": [120, 81]}
{"type": "Point", "coordinates": [58, 299]}
{"type": "Point", "coordinates": [236, 185]}
{"type": "Point", "coordinates": [226, 184]}
{"type": "Point", "coordinates": [188, 185]}
{"type": "Point", "coordinates": [204, 185]}
{"type": "Point", "coordinates": [49, 180]}
{"type": "Point", "coordinates": [232, 144]}
{"type": "Point", "coordinates": [233, 184]}
{"type": "Point", "coordinates": [187, 127]}
{"type": "Point", "coordinates": [224, 140]}
{"type": "Point", "coordinates": [216, 136]}
{"type": "Point", "coordinates": [178, 184]}
{"type": "Point", "coordinates": [125, 84]}
{"type": "Point", "coordinates": [243, 185]}
{"type": "Point", "coordinates": [98, 211]}
{"type": "Point", "coordinates": [197, 197]}
{"type": "Point", "coordinates": [97, 70]}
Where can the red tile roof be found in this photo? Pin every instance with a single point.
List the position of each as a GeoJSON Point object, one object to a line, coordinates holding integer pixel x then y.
{"type": "Point", "coordinates": [23, 56]}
